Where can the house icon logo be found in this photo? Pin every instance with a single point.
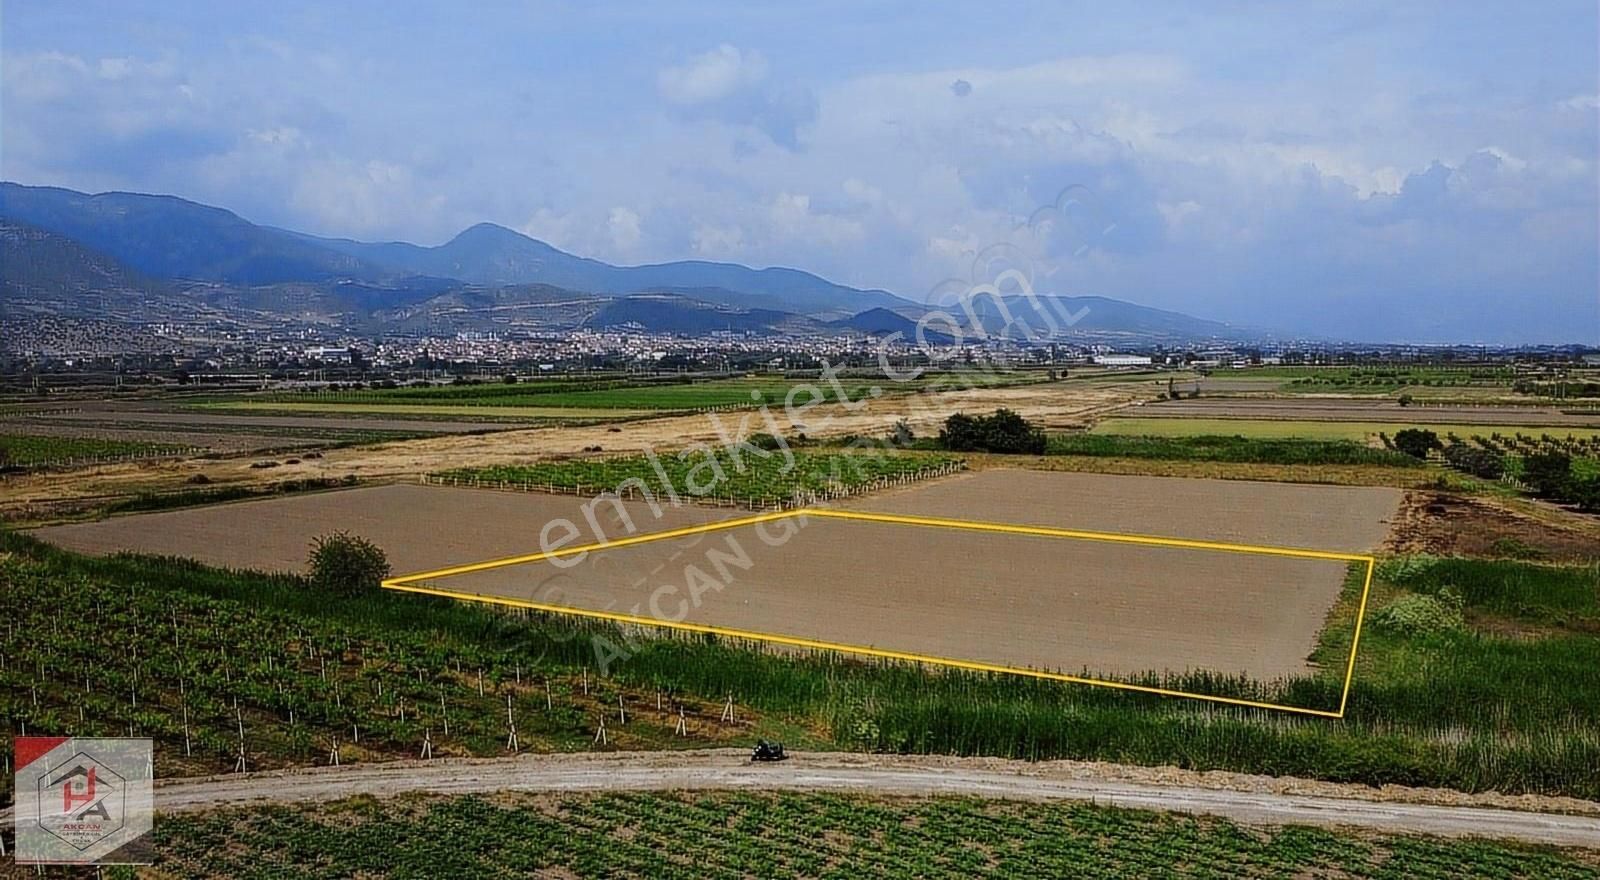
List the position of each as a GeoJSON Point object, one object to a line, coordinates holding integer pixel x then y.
{"type": "Point", "coordinates": [82, 802]}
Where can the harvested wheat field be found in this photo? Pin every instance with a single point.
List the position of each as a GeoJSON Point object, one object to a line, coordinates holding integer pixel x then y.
{"type": "Point", "coordinates": [1018, 600]}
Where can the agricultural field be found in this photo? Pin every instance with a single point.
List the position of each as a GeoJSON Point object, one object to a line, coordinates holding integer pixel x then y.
{"type": "Point", "coordinates": [1235, 448]}
{"type": "Point", "coordinates": [663, 835]}
{"type": "Point", "coordinates": [1290, 427]}
{"type": "Point", "coordinates": [1476, 701]}
{"type": "Point", "coordinates": [27, 451]}
{"type": "Point", "coordinates": [431, 411]}
{"type": "Point", "coordinates": [764, 478]}
{"type": "Point", "coordinates": [1065, 605]}
{"type": "Point", "coordinates": [1307, 409]}
{"type": "Point", "coordinates": [612, 395]}
{"type": "Point", "coordinates": [180, 425]}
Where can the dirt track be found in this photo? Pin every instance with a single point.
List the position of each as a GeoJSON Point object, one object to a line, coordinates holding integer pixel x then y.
{"type": "Point", "coordinates": [1245, 799]}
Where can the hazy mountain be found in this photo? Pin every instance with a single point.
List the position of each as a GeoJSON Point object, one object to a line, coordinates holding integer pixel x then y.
{"type": "Point", "coordinates": [489, 254]}
{"type": "Point", "coordinates": [42, 272]}
{"type": "Point", "coordinates": [168, 237]}
{"type": "Point", "coordinates": [1045, 316]}
{"type": "Point", "coordinates": [72, 252]}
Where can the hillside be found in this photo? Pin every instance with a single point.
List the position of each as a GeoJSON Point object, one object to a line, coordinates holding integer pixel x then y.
{"type": "Point", "coordinates": [48, 274]}
{"type": "Point", "coordinates": [99, 255]}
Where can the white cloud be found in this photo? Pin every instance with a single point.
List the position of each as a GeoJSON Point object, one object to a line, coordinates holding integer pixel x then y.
{"type": "Point", "coordinates": [623, 224]}
{"type": "Point", "coordinates": [712, 76]}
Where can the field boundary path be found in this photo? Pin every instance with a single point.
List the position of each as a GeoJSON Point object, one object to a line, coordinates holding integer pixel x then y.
{"type": "Point", "coordinates": [729, 769]}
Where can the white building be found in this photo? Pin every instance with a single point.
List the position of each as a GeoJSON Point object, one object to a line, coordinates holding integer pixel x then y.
{"type": "Point", "coordinates": [1122, 360]}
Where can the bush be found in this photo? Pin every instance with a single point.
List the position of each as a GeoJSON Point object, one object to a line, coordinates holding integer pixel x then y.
{"type": "Point", "coordinates": [902, 435]}
{"type": "Point", "coordinates": [1478, 462]}
{"type": "Point", "coordinates": [1549, 474]}
{"type": "Point", "coordinates": [1416, 442]}
{"type": "Point", "coordinates": [1514, 548]}
{"type": "Point", "coordinates": [768, 442]}
{"type": "Point", "coordinates": [1414, 615]}
{"type": "Point", "coordinates": [345, 565]}
{"type": "Point", "coordinates": [1585, 492]}
{"type": "Point", "coordinates": [1003, 432]}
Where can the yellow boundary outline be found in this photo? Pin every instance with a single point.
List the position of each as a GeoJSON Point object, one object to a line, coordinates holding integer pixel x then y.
{"type": "Point", "coordinates": [407, 583]}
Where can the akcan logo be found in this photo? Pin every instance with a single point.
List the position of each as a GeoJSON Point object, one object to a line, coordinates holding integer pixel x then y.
{"type": "Point", "coordinates": [82, 801]}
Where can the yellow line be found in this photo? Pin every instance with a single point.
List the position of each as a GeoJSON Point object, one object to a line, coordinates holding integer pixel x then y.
{"type": "Point", "coordinates": [1355, 637]}
{"type": "Point", "coordinates": [1113, 537]}
{"type": "Point", "coordinates": [851, 649]}
{"type": "Point", "coordinates": [599, 545]}
{"type": "Point", "coordinates": [406, 583]}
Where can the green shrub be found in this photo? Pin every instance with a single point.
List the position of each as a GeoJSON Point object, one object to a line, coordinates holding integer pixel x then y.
{"type": "Point", "coordinates": [1414, 615]}
{"type": "Point", "coordinates": [1003, 432]}
{"type": "Point", "coordinates": [1513, 548]}
{"type": "Point", "coordinates": [1549, 474]}
{"type": "Point", "coordinates": [1416, 442]}
{"type": "Point", "coordinates": [346, 565]}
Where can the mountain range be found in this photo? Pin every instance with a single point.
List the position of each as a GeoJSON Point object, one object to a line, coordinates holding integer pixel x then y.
{"type": "Point", "coordinates": [136, 257]}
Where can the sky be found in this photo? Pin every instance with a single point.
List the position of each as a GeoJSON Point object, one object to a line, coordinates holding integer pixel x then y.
{"type": "Point", "coordinates": [1385, 171]}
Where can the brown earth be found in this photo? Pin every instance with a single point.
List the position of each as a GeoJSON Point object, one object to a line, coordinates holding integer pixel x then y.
{"type": "Point", "coordinates": [1057, 405]}
{"type": "Point", "coordinates": [1062, 604]}
{"type": "Point", "coordinates": [1443, 524]}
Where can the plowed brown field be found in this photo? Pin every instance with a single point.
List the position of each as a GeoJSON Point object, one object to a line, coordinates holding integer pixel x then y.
{"type": "Point", "coordinates": [1063, 604]}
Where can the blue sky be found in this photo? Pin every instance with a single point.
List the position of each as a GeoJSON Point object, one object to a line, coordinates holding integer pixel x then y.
{"type": "Point", "coordinates": [1392, 171]}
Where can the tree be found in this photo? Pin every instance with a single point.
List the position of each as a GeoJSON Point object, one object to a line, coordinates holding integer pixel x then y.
{"type": "Point", "coordinates": [1416, 442]}
{"type": "Point", "coordinates": [902, 435]}
{"type": "Point", "coordinates": [1003, 432]}
{"type": "Point", "coordinates": [1548, 473]}
{"type": "Point", "coordinates": [346, 565]}
{"type": "Point", "coordinates": [1405, 399]}
{"type": "Point", "coordinates": [1585, 492]}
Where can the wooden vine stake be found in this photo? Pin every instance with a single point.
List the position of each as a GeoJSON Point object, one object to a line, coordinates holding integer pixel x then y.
{"type": "Point", "coordinates": [683, 726]}
{"type": "Point", "coordinates": [600, 733]}
{"type": "Point", "coordinates": [727, 710]}
{"type": "Point", "coordinates": [427, 744]}
{"type": "Point", "coordinates": [511, 727]}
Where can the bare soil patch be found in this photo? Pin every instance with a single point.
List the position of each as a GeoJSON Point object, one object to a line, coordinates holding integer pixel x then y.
{"type": "Point", "coordinates": [1341, 518]}
{"type": "Point", "coordinates": [419, 527]}
{"type": "Point", "coordinates": [1061, 604]}
{"type": "Point", "coordinates": [1443, 524]}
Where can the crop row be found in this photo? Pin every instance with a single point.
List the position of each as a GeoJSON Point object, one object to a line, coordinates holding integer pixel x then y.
{"type": "Point", "coordinates": [764, 477]}
{"type": "Point", "coordinates": [800, 835]}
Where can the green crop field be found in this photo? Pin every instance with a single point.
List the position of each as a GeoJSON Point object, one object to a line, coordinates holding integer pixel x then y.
{"type": "Point", "coordinates": [31, 451]}
{"type": "Point", "coordinates": [500, 411]}
{"type": "Point", "coordinates": [538, 397]}
{"type": "Point", "coordinates": [748, 479]}
{"type": "Point", "coordinates": [1252, 450]}
{"type": "Point", "coordinates": [718, 835]}
{"type": "Point", "coordinates": [1465, 697]}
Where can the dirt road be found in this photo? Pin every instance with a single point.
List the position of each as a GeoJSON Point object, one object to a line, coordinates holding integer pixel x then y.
{"type": "Point", "coordinates": [1262, 802]}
